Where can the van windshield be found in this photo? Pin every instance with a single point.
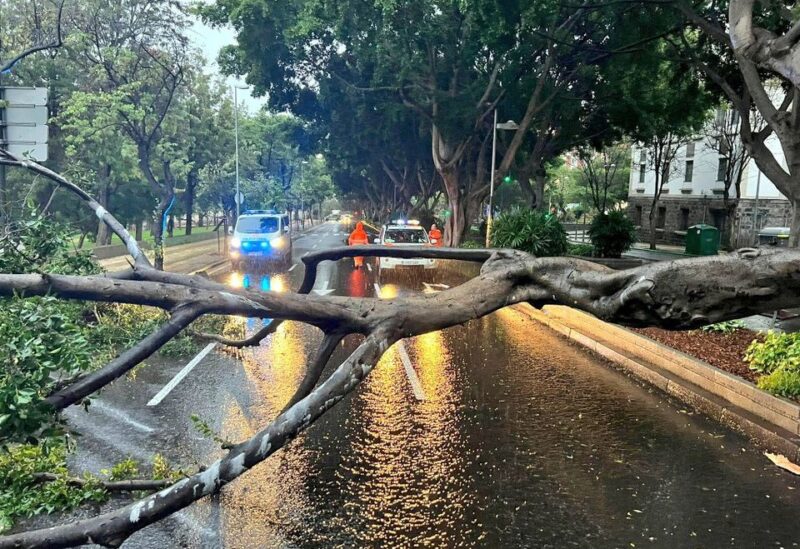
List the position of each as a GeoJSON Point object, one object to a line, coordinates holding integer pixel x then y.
{"type": "Point", "coordinates": [254, 225]}
{"type": "Point", "coordinates": [406, 236]}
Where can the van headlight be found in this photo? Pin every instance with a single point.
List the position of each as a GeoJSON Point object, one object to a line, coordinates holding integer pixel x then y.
{"type": "Point", "coordinates": [277, 242]}
{"type": "Point", "coordinates": [236, 242]}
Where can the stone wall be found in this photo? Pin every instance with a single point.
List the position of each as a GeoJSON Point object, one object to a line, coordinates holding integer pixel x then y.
{"type": "Point", "coordinates": [682, 212]}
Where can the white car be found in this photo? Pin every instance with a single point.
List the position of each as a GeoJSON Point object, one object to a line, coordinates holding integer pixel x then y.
{"type": "Point", "coordinates": [404, 234]}
{"type": "Point", "coordinates": [261, 237]}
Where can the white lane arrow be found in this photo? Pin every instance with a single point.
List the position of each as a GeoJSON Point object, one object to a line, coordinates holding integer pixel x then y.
{"type": "Point", "coordinates": [324, 290]}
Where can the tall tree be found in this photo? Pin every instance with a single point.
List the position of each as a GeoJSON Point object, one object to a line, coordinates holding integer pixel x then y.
{"type": "Point", "coordinates": [749, 51]}
{"type": "Point", "coordinates": [136, 49]}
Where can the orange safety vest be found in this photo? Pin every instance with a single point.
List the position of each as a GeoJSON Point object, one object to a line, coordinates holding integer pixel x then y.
{"type": "Point", "coordinates": [436, 235]}
{"type": "Point", "coordinates": [358, 236]}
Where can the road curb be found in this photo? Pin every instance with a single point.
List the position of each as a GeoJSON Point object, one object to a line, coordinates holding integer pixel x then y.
{"type": "Point", "coordinates": [770, 421]}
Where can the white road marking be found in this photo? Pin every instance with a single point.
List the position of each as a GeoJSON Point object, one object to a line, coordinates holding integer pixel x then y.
{"type": "Point", "coordinates": [369, 267]}
{"type": "Point", "coordinates": [180, 375]}
{"type": "Point", "coordinates": [292, 267]}
{"type": "Point", "coordinates": [416, 386]}
{"type": "Point", "coordinates": [100, 406]}
{"type": "Point", "coordinates": [315, 245]}
{"type": "Point", "coordinates": [324, 290]}
{"type": "Point", "coordinates": [435, 287]}
{"type": "Point", "coordinates": [305, 254]}
{"type": "Point", "coordinates": [411, 374]}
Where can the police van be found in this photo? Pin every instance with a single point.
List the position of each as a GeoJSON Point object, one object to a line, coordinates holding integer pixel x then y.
{"type": "Point", "coordinates": [261, 237]}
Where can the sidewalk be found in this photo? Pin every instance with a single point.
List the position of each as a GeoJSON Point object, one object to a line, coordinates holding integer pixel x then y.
{"type": "Point", "coordinates": [183, 258]}
{"type": "Point", "coordinates": [664, 252]}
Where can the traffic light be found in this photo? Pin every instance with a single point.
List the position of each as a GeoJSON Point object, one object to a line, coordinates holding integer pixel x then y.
{"type": "Point", "coordinates": [508, 179]}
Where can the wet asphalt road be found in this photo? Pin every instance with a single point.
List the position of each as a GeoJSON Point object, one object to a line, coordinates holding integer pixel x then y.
{"type": "Point", "coordinates": [498, 433]}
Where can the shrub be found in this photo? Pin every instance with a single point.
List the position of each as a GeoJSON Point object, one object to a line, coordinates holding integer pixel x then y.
{"type": "Point", "coordinates": [585, 250]}
{"type": "Point", "coordinates": [531, 231]}
{"type": "Point", "coordinates": [777, 351]}
{"type": "Point", "coordinates": [778, 358]}
{"type": "Point", "coordinates": [612, 234]}
{"type": "Point", "coordinates": [471, 244]}
{"type": "Point", "coordinates": [785, 383]}
{"type": "Point", "coordinates": [21, 495]}
{"type": "Point", "coordinates": [724, 327]}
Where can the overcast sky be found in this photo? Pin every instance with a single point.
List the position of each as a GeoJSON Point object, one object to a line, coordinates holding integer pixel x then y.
{"type": "Point", "coordinates": [210, 41]}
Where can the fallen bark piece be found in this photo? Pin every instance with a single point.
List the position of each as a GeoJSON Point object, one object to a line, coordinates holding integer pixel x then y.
{"type": "Point", "coordinates": [783, 462]}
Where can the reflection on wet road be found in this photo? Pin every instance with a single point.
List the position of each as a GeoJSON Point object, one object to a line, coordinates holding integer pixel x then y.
{"type": "Point", "coordinates": [522, 440]}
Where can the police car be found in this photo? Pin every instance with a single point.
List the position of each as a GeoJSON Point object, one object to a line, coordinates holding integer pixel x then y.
{"type": "Point", "coordinates": [261, 236]}
{"type": "Point", "coordinates": [404, 233]}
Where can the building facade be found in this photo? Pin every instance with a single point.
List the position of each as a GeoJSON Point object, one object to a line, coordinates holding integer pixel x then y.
{"type": "Point", "coordinates": [694, 193]}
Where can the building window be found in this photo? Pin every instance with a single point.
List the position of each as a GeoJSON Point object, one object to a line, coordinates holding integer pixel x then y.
{"type": "Point", "coordinates": [689, 171]}
{"type": "Point", "coordinates": [684, 219]}
{"type": "Point", "coordinates": [637, 216]}
{"type": "Point", "coordinates": [722, 169]}
{"type": "Point", "coordinates": [661, 218]}
{"type": "Point", "coordinates": [718, 218]}
{"type": "Point", "coordinates": [643, 157]}
{"type": "Point", "coordinates": [641, 173]}
{"type": "Point", "coordinates": [690, 149]}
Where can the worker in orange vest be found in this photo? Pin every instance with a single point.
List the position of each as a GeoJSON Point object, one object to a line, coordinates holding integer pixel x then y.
{"type": "Point", "coordinates": [435, 235]}
{"type": "Point", "coordinates": [358, 237]}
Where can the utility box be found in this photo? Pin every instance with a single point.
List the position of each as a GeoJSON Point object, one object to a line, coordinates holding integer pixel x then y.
{"type": "Point", "coordinates": [702, 240]}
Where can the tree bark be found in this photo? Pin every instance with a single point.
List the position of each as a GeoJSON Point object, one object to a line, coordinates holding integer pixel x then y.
{"type": "Point", "coordinates": [103, 237]}
{"type": "Point", "coordinates": [191, 187]}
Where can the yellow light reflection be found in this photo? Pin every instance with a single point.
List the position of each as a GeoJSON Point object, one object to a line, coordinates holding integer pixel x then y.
{"type": "Point", "coordinates": [235, 280]}
{"type": "Point", "coordinates": [389, 291]}
{"type": "Point", "coordinates": [257, 512]}
{"type": "Point", "coordinates": [278, 284]}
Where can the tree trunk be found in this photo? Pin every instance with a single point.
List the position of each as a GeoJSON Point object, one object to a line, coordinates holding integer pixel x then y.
{"type": "Point", "coordinates": [794, 236]}
{"type": "Point", "coordinates": [454, 224]}
{"type": "Point", "coordinates": [139, 230]}
{"type": "Point", "coordinates": [158, 231]}
{"type": "Point", "coordinates": [191, 185]}
{"type": "Point", "coordinates": [652, 218]}
{"type": "Point", "coordinates": [103, 233]}
{"type": "Point", "coordinates": [539, 180]}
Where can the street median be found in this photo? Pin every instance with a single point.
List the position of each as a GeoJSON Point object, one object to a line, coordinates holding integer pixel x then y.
{"type": "Point", "coordinates": [771, 421]}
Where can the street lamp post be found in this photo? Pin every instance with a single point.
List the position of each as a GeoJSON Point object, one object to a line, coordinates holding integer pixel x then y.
{"type": "Point", "coordinates": [510, 125]}
{"type": "Point", "coordinates": [236, 197]}
{"type": "Point", "coordinates": [755, 209]}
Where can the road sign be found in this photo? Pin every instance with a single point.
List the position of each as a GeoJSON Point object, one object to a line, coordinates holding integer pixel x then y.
{"type": "Point", "coordinates": [24, 120]}
{"type": "Point", "coordinates": [239, 198]}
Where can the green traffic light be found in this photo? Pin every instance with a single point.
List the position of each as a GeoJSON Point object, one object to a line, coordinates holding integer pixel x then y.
{"type": "Point", "coordinates": [507, 179]}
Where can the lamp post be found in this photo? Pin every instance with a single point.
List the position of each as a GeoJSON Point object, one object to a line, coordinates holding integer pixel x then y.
{"type": "Point", "coordinates": [755, 209]}
{"type": "Point", "coordinates": [236, 139]}
{"type": "Point", "coordinates": [510, 125]}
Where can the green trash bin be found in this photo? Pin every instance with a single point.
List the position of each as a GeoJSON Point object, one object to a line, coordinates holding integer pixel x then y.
{"type": "Point", "coordinates": [702, 240]}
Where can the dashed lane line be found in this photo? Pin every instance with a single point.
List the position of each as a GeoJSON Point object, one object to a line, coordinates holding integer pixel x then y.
{"type": "Point", "coordinates": [413, 379]}
{"type": "Point", "coordinates": [104, 408]}
{"type": "Point", "coordinates": [180, 375]}
{"type": "Point", "coordinates": [369, 267]}
{"type": "Point", "coordinates": [411, 374]}
{"type": "Point", "coordinates": [292, 267]}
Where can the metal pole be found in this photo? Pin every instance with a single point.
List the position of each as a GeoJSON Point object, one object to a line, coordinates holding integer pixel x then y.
{"type": "Point", "coordinates": [755, 210]}
{"type": "Point", "coordinates": [236, 125]}
{"type": "Point", "coordinates": [491, 181]}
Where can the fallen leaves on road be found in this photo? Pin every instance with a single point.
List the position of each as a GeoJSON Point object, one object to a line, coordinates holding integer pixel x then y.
{"type": "Point", "coordinates": [783, 462]}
